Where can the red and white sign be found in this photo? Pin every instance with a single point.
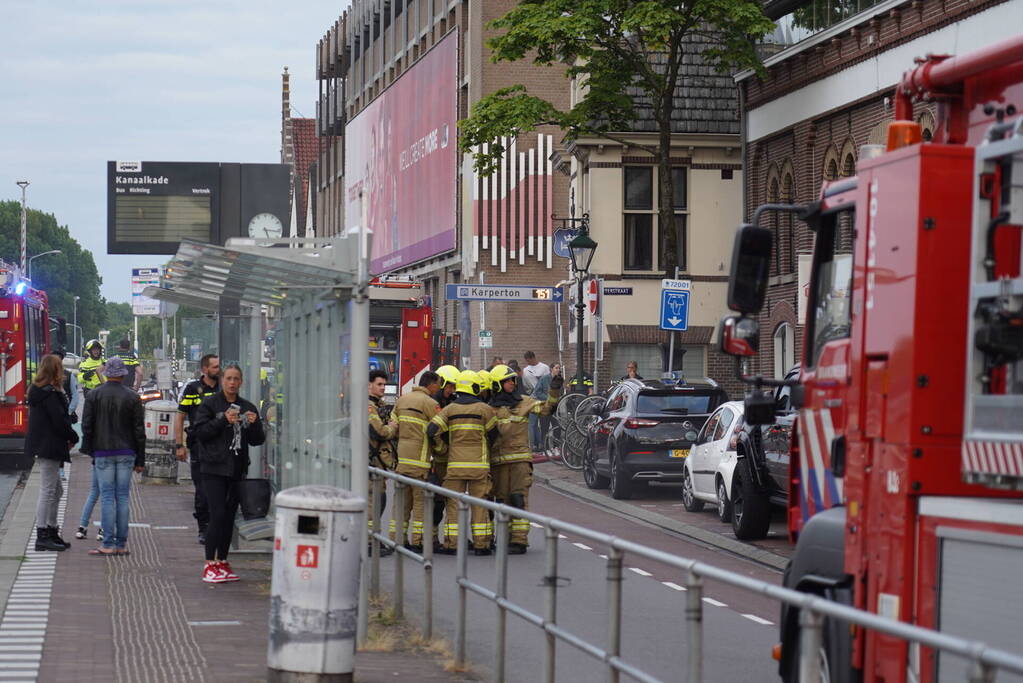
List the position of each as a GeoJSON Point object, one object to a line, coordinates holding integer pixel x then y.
{"type": "Point", "coordinates": [307, 556]}
{"type": "Point", "coordinates": [593, 296]}
{"type": "Point", "coordinates": [164, 430]}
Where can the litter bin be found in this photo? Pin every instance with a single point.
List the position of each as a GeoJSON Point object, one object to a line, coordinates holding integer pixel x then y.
{"type": "Point", "coordinates": [314, 592]}
{"type": "Point", "coordinates": [161, 464]}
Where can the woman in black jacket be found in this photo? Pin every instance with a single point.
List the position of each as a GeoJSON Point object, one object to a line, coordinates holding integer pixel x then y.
{"type": "Point", "coordinates": [225, 426]}
{"type": "Point", "coordinates": [50, 438]}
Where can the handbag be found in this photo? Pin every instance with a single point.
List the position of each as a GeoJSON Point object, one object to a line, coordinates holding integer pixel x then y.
{"type": "Point", "coordinates": [254, 498]}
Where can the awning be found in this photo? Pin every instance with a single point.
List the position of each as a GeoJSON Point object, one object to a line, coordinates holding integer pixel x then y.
{"type": "Point", "coordinates": [202, 275]}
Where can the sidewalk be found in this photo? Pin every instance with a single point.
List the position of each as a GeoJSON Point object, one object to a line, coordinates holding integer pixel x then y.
{"type": "Point", "coordinates": [148, 616]}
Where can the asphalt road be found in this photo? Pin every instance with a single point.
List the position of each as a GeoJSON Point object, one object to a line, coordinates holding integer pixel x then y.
{"type": "Point", "coordinates": [738, 626]}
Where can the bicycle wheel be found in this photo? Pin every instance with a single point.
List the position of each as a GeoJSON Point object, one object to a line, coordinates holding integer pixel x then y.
{"type": "Point", "coordinates": [565, 411]}
{"type": "Point", "coordinates": [574, 450]}
{"type": "Point", "coordinates": [587, 413]}
{"type": "Point", "coordinates": [552, 443]}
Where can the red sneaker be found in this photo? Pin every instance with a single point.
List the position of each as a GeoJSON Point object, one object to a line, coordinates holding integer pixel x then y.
{"type": "Point", "coordinates": [212, 573]}
{"type": "Point", "coordinates": [226, 574]}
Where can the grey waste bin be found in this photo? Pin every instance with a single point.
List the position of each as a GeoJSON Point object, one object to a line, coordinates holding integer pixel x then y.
{"type": "Point", "coordinates": [314, 593]}
{"type": "Point", "coordinates": [161, 463]}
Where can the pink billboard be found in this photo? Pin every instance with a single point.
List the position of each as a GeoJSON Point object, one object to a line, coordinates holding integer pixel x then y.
{"type": "Point", "coordinates": [401, 157]}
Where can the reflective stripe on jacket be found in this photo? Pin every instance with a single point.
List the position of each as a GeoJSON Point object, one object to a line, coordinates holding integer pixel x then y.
{"type": "Point", "coordinates": [89, 372]}
{"type": "Point", "coordinates": [414, 411]}
{"type": "Point", "coordinates": [470, 425]}
{"type": "Point", "coordinates": [513, 426]}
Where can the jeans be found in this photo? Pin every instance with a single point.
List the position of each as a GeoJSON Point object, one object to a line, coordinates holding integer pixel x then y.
{"type": "Point", "coordinates": [50, 491]}
{"type": "Point", "coordinates": [90, 502]}
{"type": "Point", "coordinates": [114, 474]}
{"type": "Point", "coordinates": [538, 431]}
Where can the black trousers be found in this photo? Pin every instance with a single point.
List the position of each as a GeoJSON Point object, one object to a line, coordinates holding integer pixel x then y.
{"type": "Point", "coordinates": [202, 510]}
{"type": "Point", "coordinates": [222, 499]}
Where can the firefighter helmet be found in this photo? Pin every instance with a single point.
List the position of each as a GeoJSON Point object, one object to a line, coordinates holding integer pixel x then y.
{"type": "Point", "coordinates": [448, 374]}
{"type": "Point", "coordinates": [92, 343]}
{"type": "Point", "coordinates": [468, 383]}
{"type": "Point", "coordinates": [486, 381]}
{"type": "Point", "coordinates": [502, 372]}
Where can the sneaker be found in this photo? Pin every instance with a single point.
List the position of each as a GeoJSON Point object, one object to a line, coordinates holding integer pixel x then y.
{"type": "Point", "coordinates": [226, 574]}
{"type": "Point", "coordinates": [211, 573]}
{"type": "Point", "coordinates": [82, 532]}
{"type": "Point", "coordinates": [99, 535]}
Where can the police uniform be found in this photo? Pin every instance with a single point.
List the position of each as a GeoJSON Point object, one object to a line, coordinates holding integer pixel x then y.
{"type": "Point", "coordinates": [470, 426]}
{"type": "Point", "coordinates": [191, 396]}
{"type": "Point", "coordinates": [89, 376]}
{"type": "Point", "coordinates": [414, 411]}
{"type": "Point", "coordinates": [131, 362]}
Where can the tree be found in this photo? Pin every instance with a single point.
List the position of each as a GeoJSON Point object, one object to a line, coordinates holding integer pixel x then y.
{"type": "Point", "coordinates": [608, 47]}
{"type": "Point", "coordinates": [62, 276]}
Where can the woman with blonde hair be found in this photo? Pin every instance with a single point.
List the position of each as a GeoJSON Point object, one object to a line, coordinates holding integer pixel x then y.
{"type": "Point", "coordinates": [50, 438]}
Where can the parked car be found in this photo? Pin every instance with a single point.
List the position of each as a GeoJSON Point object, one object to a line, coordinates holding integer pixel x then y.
{"type": "Point", "coordinates": [644, 431]}
{"type": "Point", "coordinates": [707, 476]}
{"type": "Point", "coordinates": [761, 479]}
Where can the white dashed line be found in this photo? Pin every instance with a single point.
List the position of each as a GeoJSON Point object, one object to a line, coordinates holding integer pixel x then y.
{"type": "Point", "coordinates": [582, 546]}
{"type": "Point", "coordinates": [673, 586]}
{"type": "Point", "coordinates": [755, 618]}
{"type": "Point", "coordinates": [535, 525]}
{"type": "Point", "coordinates": [214, 623]}
{"type": "Point", "coordinates": [603, 557]}
{"type": "Point", "coordinates": [562, 536]}
{"type": "Point", "coordinates": [641, 572]}
{"type": "Point", "coordinates": [716, 603]}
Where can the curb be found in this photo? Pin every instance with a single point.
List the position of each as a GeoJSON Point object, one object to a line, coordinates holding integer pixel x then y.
{"type": "Point", "coordinates": [764, 557]}
{"type": "Point", "coordinates": [19, 521]}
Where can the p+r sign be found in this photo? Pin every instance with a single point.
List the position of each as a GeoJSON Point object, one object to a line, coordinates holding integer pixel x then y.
{"type": "Point", "coordinates": [675, 304]}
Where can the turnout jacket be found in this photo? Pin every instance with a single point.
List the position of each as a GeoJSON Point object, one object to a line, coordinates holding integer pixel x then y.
{"type": "Point", "coordinates": [414, 411]}
{"type": "Point", "coordinates": [513, 411]}
{"type": "Point", "coordinates": [471, 429]}
{"type": "Point", "coordinates": [380, 435]}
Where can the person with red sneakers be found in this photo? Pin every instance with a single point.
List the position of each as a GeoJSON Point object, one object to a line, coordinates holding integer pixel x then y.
{"type": "Point", "coordinates": [225, 426]}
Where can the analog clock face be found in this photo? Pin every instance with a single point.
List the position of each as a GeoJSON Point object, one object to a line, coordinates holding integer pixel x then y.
{"type": "Point", "coordinates": [265, 225]}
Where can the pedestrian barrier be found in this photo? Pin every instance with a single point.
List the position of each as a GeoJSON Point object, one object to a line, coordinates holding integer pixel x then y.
{"type": "Point", "coordinates": [985, 661]}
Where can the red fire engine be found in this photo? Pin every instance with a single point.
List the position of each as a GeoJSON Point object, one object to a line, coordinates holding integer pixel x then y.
{"type": "Point", "coordinates": [400, 332]}
{"type": "Point", "coordinates": [24, 340]}
{"type": "Point", "coordinates": [911, 381]}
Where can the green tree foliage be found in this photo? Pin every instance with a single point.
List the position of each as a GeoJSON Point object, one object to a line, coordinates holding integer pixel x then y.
{"type": "Point", "coordinates": [606, 45]}
{"type": "Point", "coordinates": [63, 276]}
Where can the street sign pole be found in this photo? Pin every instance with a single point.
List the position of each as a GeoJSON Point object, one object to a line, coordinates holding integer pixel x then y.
{"type": "Point", "coordinates": [671, 341]}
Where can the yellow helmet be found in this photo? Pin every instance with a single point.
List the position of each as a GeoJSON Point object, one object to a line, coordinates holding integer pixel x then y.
{"type": "Point", "coordinates": [486, 381]}
{"type": "Point", "coordinates": [448, 374]}
{"type": "Point", "coordinates": [468, 383]}
{"type": "Point", "coordinates": [500, 373]}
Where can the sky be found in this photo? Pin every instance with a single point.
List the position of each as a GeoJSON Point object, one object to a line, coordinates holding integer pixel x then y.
{"type": "Point", "coordinates": [89, 81]}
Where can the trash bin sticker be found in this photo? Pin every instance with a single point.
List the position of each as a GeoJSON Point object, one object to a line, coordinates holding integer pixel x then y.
{"type": "Point", "coordinates": [164, 430]}
{"type": "Point", "coordinates": [308, 556]}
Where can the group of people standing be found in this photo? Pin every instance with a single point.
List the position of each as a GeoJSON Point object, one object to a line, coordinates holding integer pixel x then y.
{"type": "Point", "coordinates": [467, 431]}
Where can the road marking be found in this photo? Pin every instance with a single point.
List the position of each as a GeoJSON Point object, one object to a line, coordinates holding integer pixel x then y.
{"type": "Point", "coordinates": [562, 536]}
{"type": "Point", "coordinates": [716, 603]}
{"type": "Point", "coordinates": [22, 648]}
{"type": "Point", "coordinates": [753, 617]}
{"type": "Point", "coordinates": [603, 557]}
{"type": "Point", "coordinates": [583, 546]}
{"type": "Point", "coordinates": [21, 655]}
{"type": "Point", "coordinates": [535, 525]}
{"type": "Point", "coordinates": [673, 586]}
{"type": "Point", "coordinates": [169, 527]}
{"type": "Point", "coordinates": [639, 571]}
{"type": "Point", "coordinates": [214, 623]}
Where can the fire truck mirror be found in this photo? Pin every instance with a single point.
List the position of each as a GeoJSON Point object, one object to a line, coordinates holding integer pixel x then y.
{"type": "Point", "coordinates": [751, 265]}
{"type": "Point", "coordinates": [759, 408]}
{"type": "Point", "coordinates": [838, 456]}
{"type": "Point", "coordinates": [739, 336]}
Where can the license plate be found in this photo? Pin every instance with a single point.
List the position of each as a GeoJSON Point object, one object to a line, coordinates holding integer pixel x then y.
{"type": "Point", "coordinates": [678, 453]}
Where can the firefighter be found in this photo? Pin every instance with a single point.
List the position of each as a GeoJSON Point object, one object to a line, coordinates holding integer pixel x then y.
{"type": "Point", "coordinates": [471, 429]}
{"type": "Point", "coordinates": [381, 430]}
{"type": "Point", "coordinates": [448, 375]}
{"type": "Point", "coordinates": [90, 370]}
{"type": "Point", "coordinates": [485, 383]}
{"type": "Point", "coordinates": [512, 461]}
{"type": "Point", "coordinates": [414, 411]}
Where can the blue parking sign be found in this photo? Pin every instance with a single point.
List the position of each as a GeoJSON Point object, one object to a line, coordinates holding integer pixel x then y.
{"type": "Point", "coordinates": [674, 309]}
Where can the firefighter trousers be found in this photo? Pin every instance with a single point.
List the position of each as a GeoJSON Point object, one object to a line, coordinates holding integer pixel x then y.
{"type": "Point", "coordinates": [511, 487]}
{"type": "Point", "coordinates": [412, 506]}
{"type": "Point", "coordinates": [482, 529]}
{"type": "Point", "coordinates": [380, 503]}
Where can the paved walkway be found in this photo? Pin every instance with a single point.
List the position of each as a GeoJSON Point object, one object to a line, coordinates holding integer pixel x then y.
{"type": "Point", "coordinates": [148, 616]}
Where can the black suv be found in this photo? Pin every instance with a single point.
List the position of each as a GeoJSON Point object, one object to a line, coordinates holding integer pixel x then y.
{"type": "Point", "coordinates": [644, 431]}
{"type": "Point", "coordinates": [761, 478]}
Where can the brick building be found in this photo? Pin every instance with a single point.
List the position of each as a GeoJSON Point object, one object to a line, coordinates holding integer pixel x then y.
{"type": "Point", "coordinates": [827, 91]}
{"type": "Point", "coordinates": [502, 227]}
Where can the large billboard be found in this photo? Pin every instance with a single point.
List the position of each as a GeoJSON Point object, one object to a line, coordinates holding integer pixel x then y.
{"type": "Point", "coordinates": [401, 158]}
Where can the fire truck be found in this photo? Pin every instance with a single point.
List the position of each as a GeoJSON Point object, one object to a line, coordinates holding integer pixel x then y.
{"type": "Point", "coordinates": [907, 457]}
{"type": "Point", "coordinates": [400, 332]}
{"type": "Point", "coordinates": [24, 340]}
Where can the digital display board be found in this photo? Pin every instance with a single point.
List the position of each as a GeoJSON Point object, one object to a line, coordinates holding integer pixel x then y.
{"type": "Point", "coordinates": [142, 218]}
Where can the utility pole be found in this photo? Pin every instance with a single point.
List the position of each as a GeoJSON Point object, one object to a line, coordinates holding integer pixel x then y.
{"type": "Point", "coordinates": [24, 222]}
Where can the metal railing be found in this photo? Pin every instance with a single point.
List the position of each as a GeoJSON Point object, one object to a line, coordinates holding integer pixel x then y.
{"type": "Point", "coordinates": [985, 661]}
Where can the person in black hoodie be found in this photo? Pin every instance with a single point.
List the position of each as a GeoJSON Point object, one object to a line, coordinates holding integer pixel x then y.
{"type": "Point", "coordinates": [50, 438]}
{"type": "Point", "coordinates": [225, 426]}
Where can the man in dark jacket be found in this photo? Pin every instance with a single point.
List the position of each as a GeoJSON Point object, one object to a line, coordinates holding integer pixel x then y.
{"type": "Point", "coordinates": [114, 434]}
{"type": "Point", "coordinates": [225, 426]}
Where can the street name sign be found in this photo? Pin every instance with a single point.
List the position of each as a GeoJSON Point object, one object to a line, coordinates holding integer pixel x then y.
{"type": "Point", "coordinates": [675, 304]}
{"type": "Point", "coordinates": [522, 293]}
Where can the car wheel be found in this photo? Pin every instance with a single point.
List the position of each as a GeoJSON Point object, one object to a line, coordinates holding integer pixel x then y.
{"type": "Point", "coordinates": [621, 487]}
{"type": "Point", "coordinates": [593, 478]}
{"type": "Point", "coordinates": [751, 510]}
{"type": "Point", "coordinates": [689, 500]}
{"type": "Point", "coordinates": [724, 504]}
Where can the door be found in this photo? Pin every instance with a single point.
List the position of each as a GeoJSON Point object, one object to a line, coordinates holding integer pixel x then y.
{"type": "Point", "coordinates": [701, 454]}
{"type": "Point", "coordinates": [603, 430]}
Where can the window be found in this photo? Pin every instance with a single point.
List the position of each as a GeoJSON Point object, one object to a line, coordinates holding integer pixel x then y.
{"type": "Point", "coordinates": [829, 315]}
{"type": "Point", "coordinates": [674, 403]}
{"type": "Point", "coordinates": [689, 358]}
{"type": "Point", "coordinates": [784, 350]}
{"type": "Point", "coordinates": [641, 233]}
{"type": "Point", "coordinates": [648, 357]}
{"type": "Point", "coordinates": [708, 428]}
{"type": "Point", "coordinates": [726, 421]}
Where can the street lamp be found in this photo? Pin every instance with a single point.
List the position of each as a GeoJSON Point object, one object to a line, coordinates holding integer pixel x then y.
{"type": "Point", "coordinates": [33, 258]}
{"type": "Point", "coordinates": [76, 323]}
{"type": "Point", "coordinates": [580, 250]}
{"type": "Point", "coordinates": [24, 220]}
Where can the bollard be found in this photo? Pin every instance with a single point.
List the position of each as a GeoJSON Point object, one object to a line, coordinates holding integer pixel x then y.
{"type": "Point", "coordinates": [161, 462]}
{"type": "Point", "coordinates": [314, 594]}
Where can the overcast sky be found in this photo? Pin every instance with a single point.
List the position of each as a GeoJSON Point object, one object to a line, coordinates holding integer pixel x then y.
{"type": "Point", "coordinates": [85, 82]}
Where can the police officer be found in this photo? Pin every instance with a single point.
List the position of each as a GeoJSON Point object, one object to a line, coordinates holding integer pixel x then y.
{"type": "Point", "coordinates": [414, 411]}
{"type": "Point", "coordinates": [512, 461]}
{"type": "Point", "coordinates": [188, 406]}
{"type": "Point", "coordinates": [90, 370]}
{"type": "Point", "coordinates": [134, 379]}
{"type": "Point", "coordinates": [380, 450]}
{"type": "Point", "coordinates": [471, 429]}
